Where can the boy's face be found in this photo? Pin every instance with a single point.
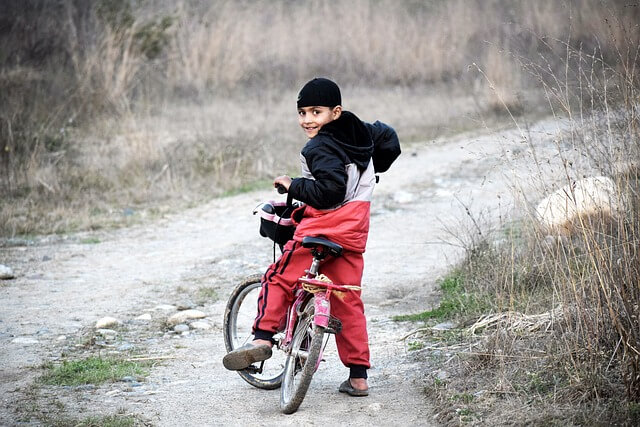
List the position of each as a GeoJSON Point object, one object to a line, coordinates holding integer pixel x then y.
{"type": "Point", "coordinates": [312, 119]}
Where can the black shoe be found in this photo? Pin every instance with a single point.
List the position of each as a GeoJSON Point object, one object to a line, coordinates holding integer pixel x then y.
{"type": "Point", "coordinates": [243, 357]}
{"type": "Point", "coordinates": [346, 387]}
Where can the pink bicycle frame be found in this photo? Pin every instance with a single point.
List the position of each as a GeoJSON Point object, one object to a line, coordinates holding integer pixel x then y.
{"type": "Point", "coordinates": [322, 307]}
{"type": "Point", "coordinates": [292, 317]}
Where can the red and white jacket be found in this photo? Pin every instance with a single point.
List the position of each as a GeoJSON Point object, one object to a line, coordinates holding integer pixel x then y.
{"type": "Point", "coordinates": [337, 182]}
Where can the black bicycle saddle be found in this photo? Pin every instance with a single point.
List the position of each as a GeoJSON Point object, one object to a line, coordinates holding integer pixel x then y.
{"type": "Point", "coordinates": [333, 248]}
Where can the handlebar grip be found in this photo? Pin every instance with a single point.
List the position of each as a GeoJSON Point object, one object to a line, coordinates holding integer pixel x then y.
{"type": "Point", "coordinates": [281, 189]}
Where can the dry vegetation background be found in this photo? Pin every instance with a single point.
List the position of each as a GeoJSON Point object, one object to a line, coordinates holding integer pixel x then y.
{"type": "Point", "coordinates": [115, 109]}
{"type": "Point", "coordinates": [128, 106]}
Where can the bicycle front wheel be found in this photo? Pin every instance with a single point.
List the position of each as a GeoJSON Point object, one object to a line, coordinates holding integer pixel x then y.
{"type": "Point", "coordinates": [302, 361]}
{"type": "Point", "coordinates": [237, 328]}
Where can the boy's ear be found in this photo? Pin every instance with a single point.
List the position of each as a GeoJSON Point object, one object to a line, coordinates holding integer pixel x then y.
{"type": "Point", "coordinates": [337, 111]}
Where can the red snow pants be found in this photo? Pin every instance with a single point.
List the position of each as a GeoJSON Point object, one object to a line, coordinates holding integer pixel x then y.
{"type": "Point", "coordinates": [278, 284]}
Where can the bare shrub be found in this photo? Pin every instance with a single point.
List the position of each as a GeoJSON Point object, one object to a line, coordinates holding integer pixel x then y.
{"type": "Point", "coordinates": [597, 269]}
{"type": "Point", "coordinates": [588, 276]}
{"type": "Point", "coordinates": [70, 65]}
{"type": "Point", "coordinates": [582, 366]}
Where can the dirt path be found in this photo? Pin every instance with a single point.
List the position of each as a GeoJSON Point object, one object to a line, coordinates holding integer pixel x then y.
{"type": "Point", "coordinates": [64, 285]}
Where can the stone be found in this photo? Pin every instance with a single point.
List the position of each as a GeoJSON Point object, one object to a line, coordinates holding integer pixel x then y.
{"type": "Point", "coordinates": [375, 407]}
{"type": "Point", "coordinates": [145, 316]}
{"type": "Point", "coordinates": [562, 210]}
{"type": "Point", "coordinates": [125, 346]}
{"type": "Point", "coordinates": [107, 322]}
{"type": "Point", "coordinates": [181, 328]}
{"type": "Point", "coordinates": [183, 316]}
{"type": "Point", "coordinates": [186, 305]}
{"type": "Point", "coordinates": [402, 197]}
{"type": "Point", "coordinates": [165, 307]}
{"type": "Point", "coordinates": [85, 387]}
{"type": "Point", "coordinates": [24, 340]}
{"type": "Point", "coordinates": [6, 273]}
{"type": "Point", "coordinates": [444, 326]}
{"type": "Point", "coordinates": [201, 325]}
{"type": "Point", "coordinates": [107, 334]}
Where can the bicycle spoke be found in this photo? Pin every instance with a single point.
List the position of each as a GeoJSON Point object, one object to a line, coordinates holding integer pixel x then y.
{"type": "Point", "coordinates": [303, 358]}
{"type": "Point", "coordinates": [301, 354]}
{"type": "Point", "coordinates": [238, 321]}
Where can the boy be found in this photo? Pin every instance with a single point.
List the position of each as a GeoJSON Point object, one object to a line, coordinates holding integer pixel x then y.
{"type": "Point", "coordinates": [337, 182]}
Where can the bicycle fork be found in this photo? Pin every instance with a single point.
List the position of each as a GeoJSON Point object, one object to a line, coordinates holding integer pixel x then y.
{"type": "Point", "coordinates": [321, 316]}
{"type": "Point", "coordinates": [322, 312]}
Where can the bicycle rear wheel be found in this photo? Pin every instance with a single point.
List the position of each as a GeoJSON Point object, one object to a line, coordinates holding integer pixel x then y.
{"type": "Point", "coordinates": [238, 321]}
{"type": "Point", "coordinates": [302, 362]}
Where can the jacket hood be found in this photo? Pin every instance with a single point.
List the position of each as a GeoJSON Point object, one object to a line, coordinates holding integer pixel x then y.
{"type": "Point", "coordinates": [350, 133]}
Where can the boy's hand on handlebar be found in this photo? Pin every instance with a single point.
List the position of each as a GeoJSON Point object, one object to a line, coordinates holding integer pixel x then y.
{"type": "Point", "coordinates": [282, 184]}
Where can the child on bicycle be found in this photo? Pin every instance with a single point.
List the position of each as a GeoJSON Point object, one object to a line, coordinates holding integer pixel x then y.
{"type": "Point", "coordinates": [336, 186]}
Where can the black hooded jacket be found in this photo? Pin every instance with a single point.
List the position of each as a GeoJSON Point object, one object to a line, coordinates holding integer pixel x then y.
{"type": "Point", "coordinates": [342, 142]}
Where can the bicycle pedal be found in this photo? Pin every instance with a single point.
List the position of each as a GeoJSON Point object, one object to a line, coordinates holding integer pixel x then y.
{"type": "Point", "coordinates": [254, 369]}
{"type": "Point", "coordinates": [335, 326]}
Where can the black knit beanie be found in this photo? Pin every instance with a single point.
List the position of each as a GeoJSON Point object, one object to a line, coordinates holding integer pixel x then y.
{"type": "Point", "coordinates": [319, 92]}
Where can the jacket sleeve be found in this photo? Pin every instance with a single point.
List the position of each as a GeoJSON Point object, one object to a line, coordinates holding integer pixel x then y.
{"type": "Point", "coordinates": [329, 186]}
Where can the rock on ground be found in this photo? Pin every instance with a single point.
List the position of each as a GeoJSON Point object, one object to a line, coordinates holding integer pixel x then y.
{"type": "Point", "coordinates": [6, 273]}
{"type": "Point", "coordinates": [183, 316]}
{"type": "Point", "coordinates": [107, 322]}
{"type": "Point", "coordinates": [560, 211]}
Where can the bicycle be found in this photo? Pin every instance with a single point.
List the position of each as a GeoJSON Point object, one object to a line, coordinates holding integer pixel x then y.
{"type": "Point", "coordinates": [303, 337]}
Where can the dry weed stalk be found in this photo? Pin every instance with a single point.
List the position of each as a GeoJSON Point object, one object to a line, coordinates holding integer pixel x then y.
{"type": "Point", "coordinates": [121, 57]}
{"type": "Point", "coordinates": [517, 322]}
{"type": "Point", "coordinates": [592, 275]}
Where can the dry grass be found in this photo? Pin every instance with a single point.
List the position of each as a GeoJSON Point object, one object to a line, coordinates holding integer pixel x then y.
{"type": "Point", "coordinates": [561, 341]}
{"type": "Point", "coordinates": [113, 104]}
{"type": "Point", "coordinates": [378, 42]}
{"type": "Point", "coordinates": [147, 163]}
{"type": "Point", "coordinates": [112, 110]}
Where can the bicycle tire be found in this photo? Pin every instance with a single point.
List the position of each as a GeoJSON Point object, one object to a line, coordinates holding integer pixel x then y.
{"type": "Point", "coordinates": [238, 320]}
{"type": "Point", "coordinates": [298, 371]}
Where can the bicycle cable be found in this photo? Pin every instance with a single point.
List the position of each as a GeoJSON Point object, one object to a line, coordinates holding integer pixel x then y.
{"type": "Point", "coordinates": [285, 212]}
